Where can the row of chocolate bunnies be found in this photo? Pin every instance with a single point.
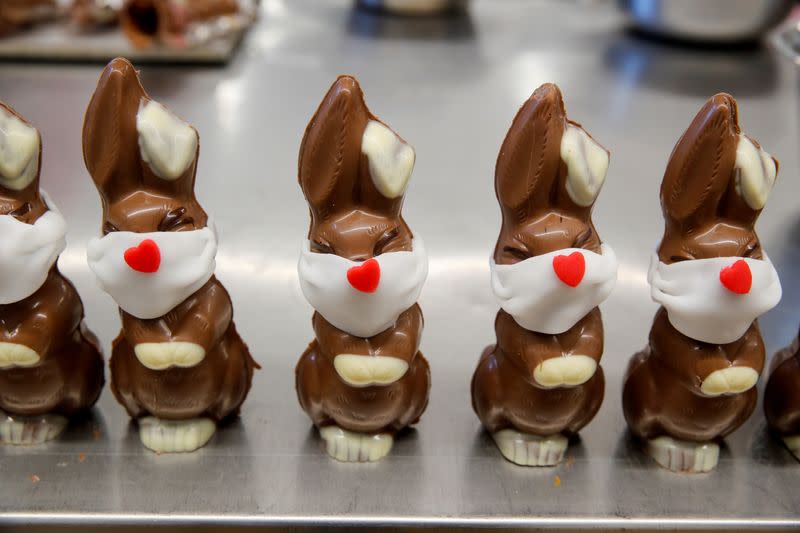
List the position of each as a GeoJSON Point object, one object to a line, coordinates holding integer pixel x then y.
{"type": "Point", "coordinates": [179, 367]}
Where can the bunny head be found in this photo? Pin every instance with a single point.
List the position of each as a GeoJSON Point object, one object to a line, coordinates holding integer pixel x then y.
{"type": "Point", "coordinates": [353, 170]}
{"type": "Point", "coordinates": [20, 162]}
{"type": "Point", "coordinates": [548, 175]}
{"type": "Point", "coordinates": [142, 158]}
{"type": "Point", "coordinates": [716, 183]}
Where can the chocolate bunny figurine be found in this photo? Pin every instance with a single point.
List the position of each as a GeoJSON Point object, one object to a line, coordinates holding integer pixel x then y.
{"type": "Point", "coordinates": [782, 396]}
{"type": "Point", "coordinates": [363, 378]}
{"type": "Point", "coordinates": [695, 381]}
{"type": "Point", "coordinates": [178, 366]}
{"type": "Point", "coordinates": [50, 364]}
{"type": "Point", "coordinates": [542, 381]}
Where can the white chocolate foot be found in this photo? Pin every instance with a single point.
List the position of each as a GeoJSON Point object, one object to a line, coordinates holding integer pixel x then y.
{"type": "Point", "coordinates": [29, 430]}
{"type": "Point", "coordinates": [352, 447]}
{"type": "Point", "coordinates": [569, 371]}
{"type": "Point", "coordinates": [163, 355]}
{"type": "Point", "coordinates": [171, 436]}
{"type": "Point", "coordinates": [733, 380]}
{"type": "Point", "coordinates": [682, 456]}
{"type": "Point", "coordinates": [793, 443]}
{"type": "Point", "coordinates": [530, 450]}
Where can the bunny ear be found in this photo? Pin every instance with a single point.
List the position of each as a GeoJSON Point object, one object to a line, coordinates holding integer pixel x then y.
{"type": "Point", "coordinates": [20, 150]}
{"type": "Point", "coordinates": [701, 165]}
{"type": "Point", "coordinates": [110, 137]}
{"type": "Point", "coordinates": [331, 149]}
{"type": "Point", "coordinates": [530, 157]}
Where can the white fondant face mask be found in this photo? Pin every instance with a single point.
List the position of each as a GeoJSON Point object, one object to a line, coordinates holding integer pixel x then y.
{"type": "Point", "coordinates": [28, 252]}
{"type": "Point", "coordinates": [550, 293]}
{"type": "Point", "coordinates": [148, 274]}
{"type": "Point", "coordinates": [710, 305]}
{"type": "Point", "coordinates": [336, 287]}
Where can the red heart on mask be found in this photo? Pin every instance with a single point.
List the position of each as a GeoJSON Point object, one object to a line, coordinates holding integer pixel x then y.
{"type": "Point", "coordinates": [737, 277]}
{"type": "Point", "coordinates": [144, 258]}
{"type": "Point", "coordinates": [366, 276]}
{"type": "Point", "coordinates": [570, 268]}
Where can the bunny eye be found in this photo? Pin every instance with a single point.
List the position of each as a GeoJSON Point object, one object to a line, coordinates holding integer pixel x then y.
{"type": "Point", "coordinates": [516, 253]}
{"type": "Point", "coordinates": [174, 219]}
{"type": "Point", "coordinates": [583, 238]}
{"type": "Point", "coordinates": [21, 211]}
{"type": "Point", "coordinates": [321, 247]}
{"type": "Point", "coordinates": [385, 240]}
{"type": "Point", "coordinates": [108, 227]}
{"type": "Point", "coordinates": [679, 258]}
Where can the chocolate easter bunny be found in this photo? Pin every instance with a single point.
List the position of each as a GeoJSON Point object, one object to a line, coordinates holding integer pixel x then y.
{"type": "Point", "coordinates": [782, 396]}
{"type": "Point", "coordinates": [178, 366]}
{"type": "Point", "coordinates": [695, 381]}
{"type": "Point", "coordinates": [50, 365]}
{"type": "Point", "coordinates": [542, 382]}
{"type": "Point", "coordinates": [16, 14]}
{"type": "Point", "coordinates": [363, 378]}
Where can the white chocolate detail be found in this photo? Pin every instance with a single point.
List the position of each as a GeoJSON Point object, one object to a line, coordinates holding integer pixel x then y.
{"type": "Point", "coordinates": [793, 443]}
{"type": "Point", "coordinates": [366, 370]}
{"type": "Point", "coordinates": [175, 436]}
{"type": "Point", "coordinates": [700, 307]}
{"type": "Point", "coordinates": [755, 173]}
{"type": "Point", "coordinates": [28, 252]}
{"type": "Point", "coordinates": [732, 380]}
{"type": "Point", "coordinates": [351, 447]}
{"type": "Point", "coordinates": [164, 355]}
{"type": "Point", "coordinates": [17, 355]}
{"type": "Point", "coordinates": [187, 263]}
{"type": "Point", "coordinates": [391, 160]}
{"type": "Point", "coordinates": [539, 301]}
{"type": "Point", "coordinates": [167, 143]}
{"type": "Point", "coordinates": [30, 430]}
{"type": "Point", "coordinates": [524, 449]}
{"type": "Point", "coordinates": [683, 456]}
{"type": "Point", "coordinates": [19, 151]}
{"type": "Point", "coordinates": [587, 165]}
{"type": "Point", "coordinates": [323, 279]}
{"type": "Point", "coordinates": [569, 371]}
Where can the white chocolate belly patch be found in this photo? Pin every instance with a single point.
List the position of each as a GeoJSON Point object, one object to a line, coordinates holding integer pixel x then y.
{"type": "Point", "coordinates": [569, 371]}
{"type": "Point", "coordinates": [16, 355]}
{"type": "Point", "coordinates": [366, 370]}
{"type": "Point", "coordinates": [175, 436]}
{"type": "Point", "coordinates": [163, 355]}
{"type": "Point", "coordinates": [733, 380]}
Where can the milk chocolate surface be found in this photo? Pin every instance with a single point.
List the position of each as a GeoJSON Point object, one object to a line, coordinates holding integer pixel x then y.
{"type": "Point", "coordinates": [782, 395]}
{"type": "Point", "coordinates": [352, 219]}
{"type": "Point", "coordinates": [69, 375]}
{"type": "Point", "coordinates": [135, 199]}
{"type": "Point", "coordinates": [705, 217]}
{"type": "Point", "coordinates": [539, 217]}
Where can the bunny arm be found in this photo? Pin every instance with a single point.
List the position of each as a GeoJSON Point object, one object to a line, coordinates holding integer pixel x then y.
{"type": "Point", "coordinates": [202, 319]}
{"type": "Point", "coordinates": [401, 341]}
{"type": "Point", "coordinates": [37, 329]}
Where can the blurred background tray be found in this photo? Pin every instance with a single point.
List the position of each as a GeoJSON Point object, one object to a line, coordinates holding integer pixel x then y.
{"type": "Point", "coordinates": [451, 87]}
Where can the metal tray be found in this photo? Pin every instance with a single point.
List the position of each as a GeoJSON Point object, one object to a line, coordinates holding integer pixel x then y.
{"type": "Point", "coordinates": [450, 86]}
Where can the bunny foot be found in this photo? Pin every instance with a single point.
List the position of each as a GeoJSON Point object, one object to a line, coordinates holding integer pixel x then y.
{"type": "Point", "coordinates": [530, 450]}
{"type": "Point", "coordinates": [172, 436]}
{"type": "Point", "coordinates": [683, 456]}
{"type": "Point", "coordinates": [352, 447]}
{"type": "Point", "coordinates": [29, 430]}
{"type": "Point", "coordinates": [793, 443]}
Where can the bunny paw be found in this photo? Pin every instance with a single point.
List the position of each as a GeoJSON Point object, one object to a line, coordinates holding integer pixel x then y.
{"type": "Point", "coordinates": [569, 371]}
{"type": "Point", "coordinates": [732, 380]}
{"type": "Point", "coordinates": [530, 450]}
{"type": "Point", "coordinates": [352, 447]}
{"type": "Point", "coordinates": [30, 430]}
{"type": "Point", "coordinates": [683, 456]}
{"type": "Point", "coordinates": [172, 436]}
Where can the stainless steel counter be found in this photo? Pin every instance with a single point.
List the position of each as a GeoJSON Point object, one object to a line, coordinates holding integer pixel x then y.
{"type": "Point", "coordinates": [451, 88]}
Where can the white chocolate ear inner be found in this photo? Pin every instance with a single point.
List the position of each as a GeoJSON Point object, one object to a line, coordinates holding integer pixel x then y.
{"type": "Point", "coordinates": [755, 173]}
{"type": "Point", "coordinates": [391, 160]}
{"type": "Point", "coordinates": [587, 165]}
{"type": "Point", "coordinates": [167, 143]}
{"type": "Point", "coordinates": [19, 151]}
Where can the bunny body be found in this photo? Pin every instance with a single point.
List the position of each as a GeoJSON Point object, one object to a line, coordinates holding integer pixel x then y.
{"type": "Point", "coordinates": [188, 367]}
{"type": "Point", "coordinates": [50, 363]}
{"type": "Point", "coordinates": [782, 396]}
{"type": "Point", "coordinates": [358, 390]}
{"type": "Point", "coordinates": [539, 388]}
{"type": "Point", "coordinates": [682, 394]}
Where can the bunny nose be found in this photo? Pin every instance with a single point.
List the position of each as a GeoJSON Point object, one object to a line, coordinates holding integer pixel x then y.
{"type": "Point", "coordinates": [737, 278]}
{"type": "Point", "coordinates": [366, 276]}
{"type": "Point", "coordinates": [144, 258]}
